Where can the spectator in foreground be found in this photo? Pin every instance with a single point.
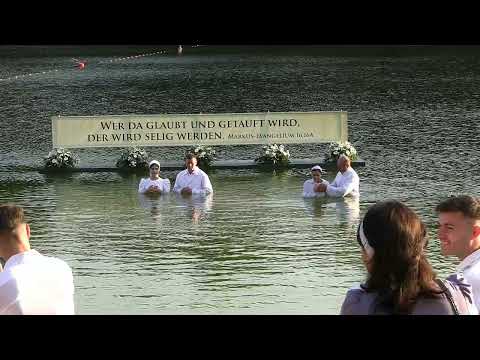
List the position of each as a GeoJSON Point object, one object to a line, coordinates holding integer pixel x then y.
{"type": "Point", "coordinates": [30, 282]}
{"type": "Point", "coordinates": [459, 234]}
{"type": "Point", "coordinates": [400, 280]}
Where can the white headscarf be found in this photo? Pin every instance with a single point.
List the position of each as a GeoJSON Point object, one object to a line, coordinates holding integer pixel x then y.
{"type": "Point", "coordinates": [363, 239]}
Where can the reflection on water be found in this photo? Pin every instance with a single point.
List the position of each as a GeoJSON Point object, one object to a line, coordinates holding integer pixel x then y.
{"type": "Point", "coordinates": [196, 207]}
{"type": "Point", "coordinates": [154, 204]}
{"type": "Point", "coordinates": [315, 206]}
{"type": "Point", "coordinates": [347, 209]}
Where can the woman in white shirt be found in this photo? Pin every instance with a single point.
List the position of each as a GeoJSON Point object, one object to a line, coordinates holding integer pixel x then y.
{"type": "Point", "coordinates": [154, 184]}
{"type": "Point", "coordinates": [310, 187]}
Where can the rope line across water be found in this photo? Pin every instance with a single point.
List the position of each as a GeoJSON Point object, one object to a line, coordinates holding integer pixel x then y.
{"type": "Point", "coordinates": [15, 77]}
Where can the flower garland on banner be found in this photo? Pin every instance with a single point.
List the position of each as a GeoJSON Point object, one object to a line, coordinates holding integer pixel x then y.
{"type": "Point", "coordinates": [274, 155]}
{"type": "Point", "coordinates": [205, 155]}
{"type": "Point", "coordinates": [133, 158]}
{"type": "Point", "coordinates": [60, 159]}
{"type": "Point", "coordinates": [335, 149]}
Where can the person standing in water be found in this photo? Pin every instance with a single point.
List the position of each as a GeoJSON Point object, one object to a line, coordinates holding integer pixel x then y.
{"type": "Point", "coordinates": [154, 184]}
{"type": "Point", "coordinates": [310, 186]}
{"type": "Point", "coordinates": [192, 180]}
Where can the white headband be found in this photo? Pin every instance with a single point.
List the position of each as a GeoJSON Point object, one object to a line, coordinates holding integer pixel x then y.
{"type": "Point", "coordinates": [366, 246]}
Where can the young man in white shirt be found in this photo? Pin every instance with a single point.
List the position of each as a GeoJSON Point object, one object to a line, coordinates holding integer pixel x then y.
{"type": "Point", "coordinates": [346, 183]}
{"type": "Point", "coordinates": [192, 180]}
{"type": "Point", "coordinates": [30, 283]}
{"type": "Point", "coordinates": [310, 186]}
{"type": "Point", "coordinates": [459, 234]}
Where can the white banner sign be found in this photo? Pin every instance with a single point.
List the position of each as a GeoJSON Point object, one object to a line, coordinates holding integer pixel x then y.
{"type": "Point", "coordinates": [198, 129]}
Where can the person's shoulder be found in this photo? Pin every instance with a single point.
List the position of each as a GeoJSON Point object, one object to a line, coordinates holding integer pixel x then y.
{"type": "Point", "coordinates": [456, 279]}
{"type": "Point", "coordinates": [356, 289]}
{"type": "Point", "coordinates": [352, 171]}
{"type": "Point", "coordinates": [354, 294]}
{"type": "Point", "coordinates": [473, 270]}
{"type": "Point", "coordinates": [6, 276]}
{"type": "Point", "coordinates": [462, 292]}
{"type": "Point", "coordinates": [308, 181]}
{"type": "Point", "coordinates": [353, 303]}
{"type": "Point", "coordinates": [182, 172]}
{"type": "Point", "coordinates": [458, 284]}
{"type": "Point", "coordinates": [201, 172]}
{"type": "Point", "coordinates": [166, 180]}
{"type": "Point", "coordinates": [58, 262]}
{"type": "Point", "coordinates": [52, 265]}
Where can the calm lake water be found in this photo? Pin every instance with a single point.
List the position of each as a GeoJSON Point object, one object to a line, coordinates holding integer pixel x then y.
{"type": "Point", "coordinates": [255, 247]}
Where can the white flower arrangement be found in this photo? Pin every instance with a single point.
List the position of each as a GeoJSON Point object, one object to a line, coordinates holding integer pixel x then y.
{"type": "Point", "coordinates": [60, 159]}
{"type": "Point", "coordinates": [205, 155]}
{"type": "Point", "coordinates": [274, 155]}
{"type": "Point", "coordinates": [335, 149]}
{"type": "Point", "coordinates": [133, 158]}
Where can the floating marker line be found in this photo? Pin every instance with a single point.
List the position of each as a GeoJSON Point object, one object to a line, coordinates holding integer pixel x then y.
{"type": "Point", "coordinates": [15, 77]}
{"type": "Point", "coordinates": [133, 57]}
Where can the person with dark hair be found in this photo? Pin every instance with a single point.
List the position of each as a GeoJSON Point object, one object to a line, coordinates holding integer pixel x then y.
{"type": "Point", "coordinates": [30, 283]}
{"type": "Point", "coordinates": [400, 280]}
{"type": "Point", "coordinates": [310, 186]}
{"type": "Point", "coordinates": [192, 180]}
{"type": "Point", "coordinates": [459, 234]}
{"type": "Point", "coordinates": [154, 184]}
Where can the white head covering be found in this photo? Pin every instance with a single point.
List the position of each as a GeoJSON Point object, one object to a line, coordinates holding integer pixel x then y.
{"type": "Point", "coordinates": [317, 167]}
{"type": "Point", "coordinates": [153, 162]}
{"type": "Point", "coordinates": [363, 239]}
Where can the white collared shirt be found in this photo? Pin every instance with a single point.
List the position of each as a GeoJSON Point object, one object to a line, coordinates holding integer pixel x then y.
{"type": "Point", "coordinates": [345, 184]}
{"type": "Point", "coordinates": [163, 185]}
{"type": "Point", "coordinates": [309, 192]}
{"type": "Point", "coordinates": [33, 284]}
{"type": "Point", "coordinates": [198, 181]}
{"type": "Point", "coordinates": [470, 267]}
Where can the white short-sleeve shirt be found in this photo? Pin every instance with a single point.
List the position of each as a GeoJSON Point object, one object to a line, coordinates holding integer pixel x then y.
{"type": "Point", "coordinates": [33, 284]}
{"type": "Point", "coordinates": [470, 267]}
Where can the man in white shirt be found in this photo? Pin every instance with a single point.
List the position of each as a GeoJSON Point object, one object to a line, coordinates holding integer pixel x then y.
{"type": "Point", "coordinates": [346, 183]}
{"type": "Point", "coordinates": [192, 180]}
{"type": "Point", "coordinates": [30, 283]}
{"type": "Point", "coordinates": [459, 234]}
{"type": "Point", "coordinates": [310, 186]}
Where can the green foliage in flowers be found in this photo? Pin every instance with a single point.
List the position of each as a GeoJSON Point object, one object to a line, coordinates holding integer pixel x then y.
{"type": "Point", "coordinates": [274, 155]}
{"type": "Point", "coordinates": [60, 159]}
{"type": "Point", "coordinates": [335, 149]}
{"type": "Point", "coordinates": [133, 158]}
